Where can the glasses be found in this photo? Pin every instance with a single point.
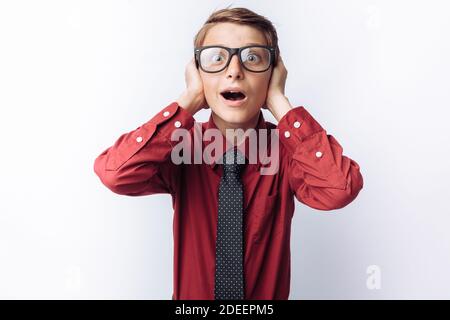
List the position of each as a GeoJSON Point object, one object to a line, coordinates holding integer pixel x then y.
{"type": "Point", "coordinates": [254, 58]}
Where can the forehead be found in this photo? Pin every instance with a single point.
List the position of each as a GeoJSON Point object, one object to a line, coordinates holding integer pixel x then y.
{"type": "Point", "coordinates": [233, 35]}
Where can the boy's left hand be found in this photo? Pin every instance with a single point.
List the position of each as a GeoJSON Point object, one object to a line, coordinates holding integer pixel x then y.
{"type": "Point", "coordinates": [276, 101]}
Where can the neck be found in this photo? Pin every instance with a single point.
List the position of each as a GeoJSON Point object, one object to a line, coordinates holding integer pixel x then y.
{"type": "Point", "coordinates": [223, 125]}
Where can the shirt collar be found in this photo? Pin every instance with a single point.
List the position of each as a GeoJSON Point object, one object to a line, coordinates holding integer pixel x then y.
{"type": "Point", "coordinates": [243, 147]}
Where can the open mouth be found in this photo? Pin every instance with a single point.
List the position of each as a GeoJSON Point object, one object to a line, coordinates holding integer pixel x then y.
{"type": "Point", "coordinates": [233, 95]}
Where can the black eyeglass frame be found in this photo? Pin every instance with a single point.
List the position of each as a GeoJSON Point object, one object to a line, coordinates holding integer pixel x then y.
{"type": "Point", "coordinates": [233, 51]}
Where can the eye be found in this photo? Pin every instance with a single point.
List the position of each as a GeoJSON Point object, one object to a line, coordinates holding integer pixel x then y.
{"type": "Point", "coordinates": [216, 58]}
{"type": "Point", "coordinates": [252, 57]}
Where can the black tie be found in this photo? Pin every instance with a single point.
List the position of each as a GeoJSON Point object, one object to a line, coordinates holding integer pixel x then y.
{"type": "Point", "coordinates": [229, 280]}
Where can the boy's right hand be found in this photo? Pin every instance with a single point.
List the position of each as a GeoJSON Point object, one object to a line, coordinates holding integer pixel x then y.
{"type": "Point", "coordinates": [193, 98]}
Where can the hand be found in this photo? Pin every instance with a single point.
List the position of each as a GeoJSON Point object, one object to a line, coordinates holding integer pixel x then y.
{"type": "Point", "coordinates": [277, 84]}
{"type": "Point", "coordinates": [193, 97]}
{"type": "Point", "coordinates": [276, 101]}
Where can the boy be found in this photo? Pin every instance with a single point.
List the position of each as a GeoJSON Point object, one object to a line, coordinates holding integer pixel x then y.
{"type": "Point", "coordinates": [231, 222]}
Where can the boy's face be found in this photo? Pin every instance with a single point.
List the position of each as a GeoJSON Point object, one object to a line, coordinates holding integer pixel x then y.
{"type": "Point", "coordinates": [254, 84]}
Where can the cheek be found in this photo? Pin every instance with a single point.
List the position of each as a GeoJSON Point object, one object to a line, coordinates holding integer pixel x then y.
{"type": "Point", "coordinates": [260, 87]}
{"type": "Point", "coordinates": [210, 87]}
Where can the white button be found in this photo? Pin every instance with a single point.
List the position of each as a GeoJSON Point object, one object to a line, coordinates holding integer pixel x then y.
{"type": "Point", "coordinates": [177, 124]}
{"type": "Point", "coordinates": [287, 134]}
{"type": "Point", "coordinates": [139, 139]}
{"type": "Point", "coordinates": [318, 154]}
{"type": "Point", "coordinates": [166, 113]}
{"type": "Point", "coordinates": [297, 124]}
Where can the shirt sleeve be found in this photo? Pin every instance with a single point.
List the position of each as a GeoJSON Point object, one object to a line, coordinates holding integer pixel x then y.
{"type": "Point", "coordinates": [319, 174]}
{"type": "Point", "coordinates": [139, 162]}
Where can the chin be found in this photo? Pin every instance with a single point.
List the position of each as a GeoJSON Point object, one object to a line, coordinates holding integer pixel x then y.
{"type": "Point", "coordinates": [235, 119]}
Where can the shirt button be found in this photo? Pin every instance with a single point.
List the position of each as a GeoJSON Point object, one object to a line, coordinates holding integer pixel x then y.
{"type": "Point", "coordinates": [177, 124]}
{"type": "Point", "coordinates": [297, 124]}
{"type": "Point", "coordinates": [166, 113]}
{"type": "Point", "coordinates": [318, 154]}
{"type": "Point", "coordinates": [287, 134]}
{"type": "Point", "coordinates": [139, 139]}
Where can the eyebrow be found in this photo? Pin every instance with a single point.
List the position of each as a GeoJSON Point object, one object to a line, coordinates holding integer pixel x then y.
{"type": "Point", "coordinates": [248, 44]}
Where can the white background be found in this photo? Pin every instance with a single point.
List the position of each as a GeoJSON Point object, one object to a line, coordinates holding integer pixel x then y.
{"type": "Point", "coordinates": [75, 75]}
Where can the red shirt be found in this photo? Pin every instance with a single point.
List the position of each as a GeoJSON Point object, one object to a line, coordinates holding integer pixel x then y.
{"type": "Point", "coordinates": [312, 169]}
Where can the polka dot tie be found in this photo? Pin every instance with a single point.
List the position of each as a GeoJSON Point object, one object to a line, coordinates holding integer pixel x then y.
{"type": "Point", "coordinates": [229, 280]}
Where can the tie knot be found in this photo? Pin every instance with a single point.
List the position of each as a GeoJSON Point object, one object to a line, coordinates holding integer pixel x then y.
{"type": "Point", "coordinates": [233, 161]}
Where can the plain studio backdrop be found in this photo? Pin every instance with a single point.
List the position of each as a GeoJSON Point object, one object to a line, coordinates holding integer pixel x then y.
{"type": "Point", "coordinates": [75, 75]}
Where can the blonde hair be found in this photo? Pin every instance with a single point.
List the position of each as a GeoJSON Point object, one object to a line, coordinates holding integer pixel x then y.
{"type": "Point", "coordinates": [242, 16]}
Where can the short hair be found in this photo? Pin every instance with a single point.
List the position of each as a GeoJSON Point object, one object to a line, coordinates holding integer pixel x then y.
{"type": "Point", "coordinates": [242, 16]}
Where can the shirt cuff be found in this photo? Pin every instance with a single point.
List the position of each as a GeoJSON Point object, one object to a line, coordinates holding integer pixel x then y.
{"type": "Point", "coordinates": [164, 123]}
{"type": "Point", "coordinates": [171, 118]}
{"type": "Point", "coordinates": [295, 126]}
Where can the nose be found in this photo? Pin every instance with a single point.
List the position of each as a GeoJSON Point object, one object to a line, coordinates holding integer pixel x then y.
{"type": "Point", "coordinates": [234, 68]}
